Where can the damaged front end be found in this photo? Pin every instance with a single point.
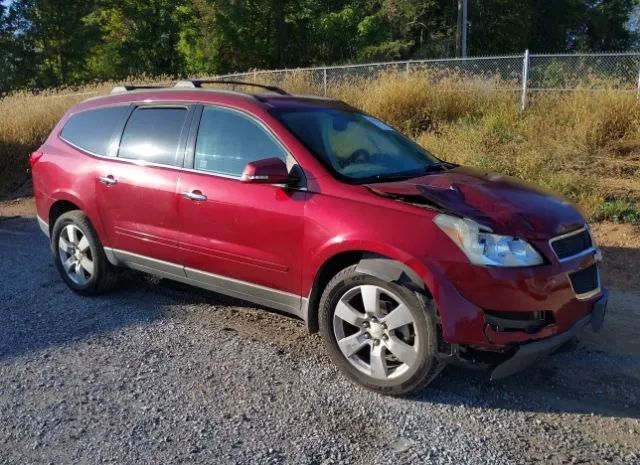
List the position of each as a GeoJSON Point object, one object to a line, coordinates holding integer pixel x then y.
{"type": "Point", "coordinates": [506, 314]}
{"type": "Point", "coordinates": [526, 354]}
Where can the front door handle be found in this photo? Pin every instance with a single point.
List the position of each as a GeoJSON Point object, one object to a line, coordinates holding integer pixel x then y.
{"type": "Point", "coordinates": [108, 180]}
{"type": "Point", "coordinates": [194, 195]}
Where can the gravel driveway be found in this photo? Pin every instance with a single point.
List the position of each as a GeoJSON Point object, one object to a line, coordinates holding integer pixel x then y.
{"type": "Point", "coordinates": [161, 373]}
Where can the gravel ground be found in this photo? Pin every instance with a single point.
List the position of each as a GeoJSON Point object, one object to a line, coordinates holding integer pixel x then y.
{"type": "Point", "coordinates": [157, 372]}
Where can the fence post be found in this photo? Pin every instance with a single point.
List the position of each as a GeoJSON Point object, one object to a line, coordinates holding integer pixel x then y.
{"type": "Point", "coordinates": [407, 69]}
{"type": "Point", "coordinates": [324, 80]}
{"type": "Point", "coordinates": [525, 80]}
{"type": "Point", "coordinates": [638, 92]}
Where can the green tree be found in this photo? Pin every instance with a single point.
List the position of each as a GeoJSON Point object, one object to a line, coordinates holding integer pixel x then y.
{"type": "Point", "coordinates": [606, 26]}
{"type": "Point", "coordinates": [8, 46]}
{"type": "Point", "coordinates": [547, 26]}
{"type": "Point", "coordinates": [425, 27]}
{"type": "Point", "coordinates": [53, 42]}
{"type": "Point", "coordinates": [54, 30]}
{"type": "Point", "coordinates": [136, 37]}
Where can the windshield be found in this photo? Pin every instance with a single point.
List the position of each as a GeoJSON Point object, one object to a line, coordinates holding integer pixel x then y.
{"type": "Point", "coordinates": [355, 146]}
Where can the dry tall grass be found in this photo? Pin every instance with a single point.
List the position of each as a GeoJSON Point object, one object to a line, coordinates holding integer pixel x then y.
{"type": "Point", "coordinates": [585, 145]}
{"type": "Point", "coordinates": [25, 120]}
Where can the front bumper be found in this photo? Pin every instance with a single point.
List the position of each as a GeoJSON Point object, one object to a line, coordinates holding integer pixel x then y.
{"type": "Point", "coordinates": [528, 353]}
{"type": "Point", "coordinates": [466, 295]}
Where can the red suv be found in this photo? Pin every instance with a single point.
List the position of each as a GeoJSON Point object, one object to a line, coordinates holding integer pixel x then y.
{"type": "Point", "coordinates": [402, 261]}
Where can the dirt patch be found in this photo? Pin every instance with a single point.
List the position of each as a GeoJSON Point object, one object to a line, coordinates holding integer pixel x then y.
{"type": "Point", "coordinates": [24, 206]}
{"type": "Point", "coordinates": [620, 244]}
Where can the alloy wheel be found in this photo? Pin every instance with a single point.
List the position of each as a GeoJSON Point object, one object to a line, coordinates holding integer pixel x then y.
{"type": "Point", "coordinates": [75, 254]}
{"type": "Point", "coordinates": [376, 332]}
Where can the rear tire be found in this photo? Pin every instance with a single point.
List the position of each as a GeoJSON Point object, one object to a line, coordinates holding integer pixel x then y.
{"type": "Point", "coordinates": [79, 255]}
{"type": "Point", "coordinates": [380, 334]}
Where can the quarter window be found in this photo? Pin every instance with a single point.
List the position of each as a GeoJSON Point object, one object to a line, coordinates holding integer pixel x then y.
{"type": "Point", "coordinates": [92, 130]}
{"type": "Point", "coordinates": [153, 135]}
{"type": "Point", "coordinates": [228, 140]}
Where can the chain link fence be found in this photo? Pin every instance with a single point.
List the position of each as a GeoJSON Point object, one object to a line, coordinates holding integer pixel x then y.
{"type": "Point", "coordinates": [525, 74]}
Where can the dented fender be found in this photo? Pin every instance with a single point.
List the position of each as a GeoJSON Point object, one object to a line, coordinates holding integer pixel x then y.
{"type": "Point", "coordinates": [391, 271]}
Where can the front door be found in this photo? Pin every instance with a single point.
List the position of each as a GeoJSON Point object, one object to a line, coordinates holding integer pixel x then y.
{"type": "Point", "coordinates": [242, 239]}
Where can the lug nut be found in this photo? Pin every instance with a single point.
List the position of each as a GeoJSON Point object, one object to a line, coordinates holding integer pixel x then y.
{"type": "Point", "coordinates": [367, 336]}
{"type": "Point", "coordinates": [384, 326]}
{"type": "Point", "coordinates": [365, 324]}
{"type": "Point", "coordinates": [376, 342]}
{"type": "Point", "coordinates": [385, 337]}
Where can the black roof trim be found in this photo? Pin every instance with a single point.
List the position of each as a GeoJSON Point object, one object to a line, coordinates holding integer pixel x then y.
{"type": "Point", "coordinates": [197, 83]}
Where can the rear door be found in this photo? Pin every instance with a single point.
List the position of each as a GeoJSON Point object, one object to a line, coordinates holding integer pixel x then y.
{"type": "Point", "coordinates": [243, 239]}
{"type": "Point", "coordinates": [137, 188]}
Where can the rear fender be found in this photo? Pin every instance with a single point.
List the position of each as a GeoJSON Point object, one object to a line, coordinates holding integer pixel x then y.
{"type": "Point", "coordinates": [71, 197]}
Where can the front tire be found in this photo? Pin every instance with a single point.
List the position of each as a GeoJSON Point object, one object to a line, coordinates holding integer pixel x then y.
{"type": "Point", "coordinates": [381, 335]}
{"type": "Point", "coordinates": [79, 255]}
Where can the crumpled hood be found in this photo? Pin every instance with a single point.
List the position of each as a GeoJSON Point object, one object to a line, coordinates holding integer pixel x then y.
{"type": "Point", "coordinates": [506, 205]}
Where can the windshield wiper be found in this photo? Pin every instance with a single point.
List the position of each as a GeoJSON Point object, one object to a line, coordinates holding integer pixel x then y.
{"type": "Point", "coordinates": [441, 165]}
{"type": "Point", "coordinates": [408, 174]}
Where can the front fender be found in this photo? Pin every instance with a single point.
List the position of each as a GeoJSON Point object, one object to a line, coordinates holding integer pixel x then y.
{"type": "Point", "coordinates": [341, 245]}
{"type": "Point", "coordinates": [461, 321]}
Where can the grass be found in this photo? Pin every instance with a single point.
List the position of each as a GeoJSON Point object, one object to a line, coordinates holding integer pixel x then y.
{"type": "Point", "coordinates": [584, 145]}
{"type": "Point", "coordinates": [618, 211]}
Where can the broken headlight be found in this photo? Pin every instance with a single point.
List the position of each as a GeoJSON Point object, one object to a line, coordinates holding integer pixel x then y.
{"type": "Point", "coordinates": [482, 247]}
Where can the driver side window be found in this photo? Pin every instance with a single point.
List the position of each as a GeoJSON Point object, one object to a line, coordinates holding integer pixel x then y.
{"type": "Point", "coordinates": [228, 140]}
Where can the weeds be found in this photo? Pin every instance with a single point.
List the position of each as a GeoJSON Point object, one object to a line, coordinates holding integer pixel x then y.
{"type": "Point", "coordinates": [618, 211]}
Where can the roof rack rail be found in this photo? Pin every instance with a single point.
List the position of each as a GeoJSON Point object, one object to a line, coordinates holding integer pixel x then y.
{"type": "Point", "coordinates": [197, 83]}
{"type": "Point", "coordinates": [119, 89]}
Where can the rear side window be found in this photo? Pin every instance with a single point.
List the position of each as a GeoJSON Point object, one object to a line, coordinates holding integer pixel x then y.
{"type": "Point", "coordinates": [92, 130]}
{"type": "Point", "coordinates": [153, 135]}
{"type": "Point", "coordinates": [228, 140]}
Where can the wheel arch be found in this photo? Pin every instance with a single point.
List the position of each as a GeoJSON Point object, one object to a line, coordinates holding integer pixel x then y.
{"type": "Point", "coordinates": [59, 208]}
{"type": "Point", "coordinates": [371, 263]}
{"type": "Point", "coordinates": [63, 201]}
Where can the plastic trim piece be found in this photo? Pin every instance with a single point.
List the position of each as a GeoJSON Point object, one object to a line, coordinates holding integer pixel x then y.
{"type": "Point", "coordinates": [389, 270]}
{"type": "Point", "coordinates": [262, 295]}
{"type": "Point", "coordinates": [44, 226]}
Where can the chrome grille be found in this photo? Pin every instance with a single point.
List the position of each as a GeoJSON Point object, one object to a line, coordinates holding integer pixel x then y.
{"type": "Point", "coordinates": [572, 244]}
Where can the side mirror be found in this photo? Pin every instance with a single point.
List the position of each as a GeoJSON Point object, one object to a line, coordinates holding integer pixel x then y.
{"type": "Point", "coordinates": [266, 171]}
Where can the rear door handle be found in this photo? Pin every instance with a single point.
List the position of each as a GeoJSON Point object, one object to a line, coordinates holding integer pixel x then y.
{"type": "Point", "coordinates": [194, 195]}
{"type": "Point", "coordinates": [108, 180]}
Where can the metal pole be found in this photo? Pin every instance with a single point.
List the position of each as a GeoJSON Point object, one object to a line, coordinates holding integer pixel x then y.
{"type": "Point", "coordinates": [638, 92]}
{"type": "Point", "coordinates": [459, 30]}
{"type": "Point", "coordinates": [525, 80]}
{"type": "Point", "coordinates": [324, 80]}
{"type": "Point", "coordinates": [464, 28]}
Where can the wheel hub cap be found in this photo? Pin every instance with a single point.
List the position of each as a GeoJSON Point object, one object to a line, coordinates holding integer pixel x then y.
{"type": "Point", "coordinates": [376, 330]}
